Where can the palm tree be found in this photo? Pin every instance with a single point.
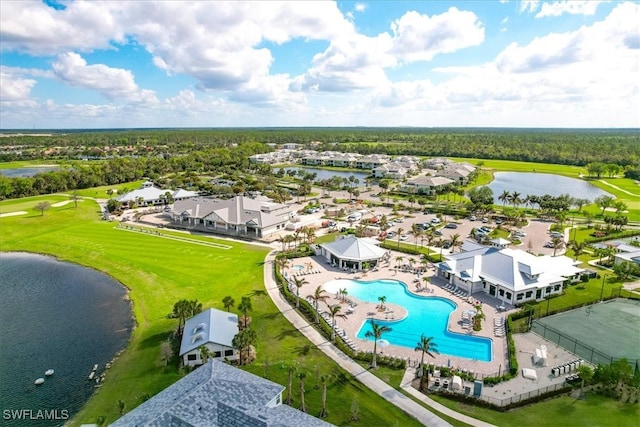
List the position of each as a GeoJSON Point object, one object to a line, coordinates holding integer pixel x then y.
{"type": "Point", "coordinates": [585, 373]}
{"type": "Point", "coordinates": [121, 406]}
{"type": "Point", "coordinates": [323, 380]}
{"type": "Point", "coordinates": [411, 261]}
{"type": "Point", "coordinates": [204, 353]}
{"type": "Point", "coordinates": [382, 300]}
{"type": "Point", "coordinates": [426, 346]}
{"type": "Point", "coordinates": [514, 198]}
{"type": "Point", "coordinates": [426, 280]}
{"type": "Point", "coordinates": [400, 231]}
{"type": "Point", "coordinates": [455, 241]}
{"type": "Point", "coordinates": [578, 248]}
{"type": "Point", "coordinates": [376, 332]}
{"type": "Point", "coordinates": [398, 261]}
{"type": "Point", "coordinates": [317, 296]}
{"type": "Point", "coordinates": [558, 243]}
{"type": "Point", "coordinates": [228, 302]}
{"type": "Point", "coordinates": [504, 197]}
{"type": "Point", "coordinates": [245, 306]}
{"type": "Point", "coordinates": [282, 263]}
{"type": "Point", "coordinates": [291, 369]}
{"type": "Point", "coordinates": [298, 283]}
{"type": "Point", "coordinates": [302, 375]}
{"type": "Point", "coordinates": [243, 341]}
{"type": "Point", "coordinates": [334, 311]}
{"type": "Point", "coordinates": [343, 294]}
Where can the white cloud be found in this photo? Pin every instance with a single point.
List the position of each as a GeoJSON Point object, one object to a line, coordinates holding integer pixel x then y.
{"type": "Point", "coordinates": [358, 62]}
{"type": "Point", "coordinates": [529, 6]}
{"type": "Point", "coordinates": [113, 83]}
{"type": "Point", "coordinates": [573, 7]}
{"type": "Point", "coordinates": [420, 37]}
{"type": "Point", "coordinates": [36, 28]}
{"type": "Point", "coordinates": [15, 88]}
{"type": "Point", "coordinates": [360, 7]}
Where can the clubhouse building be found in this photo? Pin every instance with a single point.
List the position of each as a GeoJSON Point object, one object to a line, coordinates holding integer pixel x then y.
{"type": "Point", "coordinates": [238, 216]}
{"type": "Point", "coordinates": [510, 275]}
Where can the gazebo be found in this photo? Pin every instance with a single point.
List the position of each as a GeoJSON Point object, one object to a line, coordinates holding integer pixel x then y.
{"type": "Point", "coordinates": [352, 252]}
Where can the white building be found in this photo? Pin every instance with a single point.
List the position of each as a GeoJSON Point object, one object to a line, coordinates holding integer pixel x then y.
{"type": "Point", "coordinates": [352, 252]}
{"type": "Point", "coordinates": [150, 195]}
{"type": "Point", "coordinates": [239, 215]}
{"type": "Point", "coordinates": [212, 328]}
{"type": "Point", "coordinates": [426, 184]}
{"type": "Point", "coordinates": [513, 276]}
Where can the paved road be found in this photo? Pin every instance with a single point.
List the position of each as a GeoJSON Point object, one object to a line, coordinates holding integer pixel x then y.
{"type": "Point", "coordinates": [361, 374]}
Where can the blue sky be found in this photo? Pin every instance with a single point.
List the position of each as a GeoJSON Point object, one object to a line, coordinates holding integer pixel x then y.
{"type": "Point", "coordinates": [506, 63]}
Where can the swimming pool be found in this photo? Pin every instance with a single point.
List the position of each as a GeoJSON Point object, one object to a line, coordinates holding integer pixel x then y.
{"type": "Point", "coordinates": [298, 267]}
{"type": "Point", "coordinates": [426, 315]}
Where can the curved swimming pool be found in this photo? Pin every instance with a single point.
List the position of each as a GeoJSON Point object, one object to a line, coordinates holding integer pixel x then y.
{"type": "Point", "coordinates": [426, 315]}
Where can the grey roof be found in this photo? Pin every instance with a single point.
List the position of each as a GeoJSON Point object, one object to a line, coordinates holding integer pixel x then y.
{"type": "Point", "coordinates": [217, 394]}
{"type": "Point", "coordinates": [238, 210]}
{"type": "Point", "coordinates": [430, 181]}
{"type": "Point", "coordinates": [514, 269]}
{"type": "Point", "coordinates": [209, 326]}
{"type": "Point", "coordinates": [353, 248]}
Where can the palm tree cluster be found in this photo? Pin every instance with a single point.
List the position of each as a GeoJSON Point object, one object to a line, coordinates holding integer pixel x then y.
{"type": "Point", "coordinates": [184, 309]}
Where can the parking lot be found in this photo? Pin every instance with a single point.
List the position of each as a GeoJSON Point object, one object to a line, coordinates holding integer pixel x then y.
{"type": "Point", "coordinates": [536, 231]}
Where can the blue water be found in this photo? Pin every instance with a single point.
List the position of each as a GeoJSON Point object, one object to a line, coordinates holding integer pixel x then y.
{"type": "Point", "coordinates": [26, 172]}
{"type": "Point", "coordinates": [539, 184]}
{"type": "Point", "coordinates": [61, 316]}
{"type": "Point", "coordinates": [327, 174]}
{"type": "Point", "coordinates": [298, 267]}
{"type": "Point", "coordinates": [426, 315]}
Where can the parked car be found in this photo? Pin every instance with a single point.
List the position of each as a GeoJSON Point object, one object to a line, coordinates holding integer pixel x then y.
{"type": "Point", "coordinates": [485, 229]}
{"type": "Point", "coordinates": [404, 237]}
{"type": "Point", "coordinates": [437, 233]}
{"type": "Point", "coordinates": [451, 225]}
{"type": "Point", "coordinates": [548, 245]}
{"type": "Point", "coordinates": [435, 221]}
{"type": "Point", "coordinates": [446, 244]}
{"type": "Point", "coordinates": [472, 218]}
{"type": "Point", "coordinates": [391, 234]}
{"type": "Point", "coordinates": [485, 220]}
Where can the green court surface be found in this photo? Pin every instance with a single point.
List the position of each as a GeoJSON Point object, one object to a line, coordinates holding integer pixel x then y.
{"type": "Point", "coordinates": [599, 333]}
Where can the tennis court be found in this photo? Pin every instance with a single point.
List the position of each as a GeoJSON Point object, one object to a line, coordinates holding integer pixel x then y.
{"type": "Point", "coordinates": [599, 333]}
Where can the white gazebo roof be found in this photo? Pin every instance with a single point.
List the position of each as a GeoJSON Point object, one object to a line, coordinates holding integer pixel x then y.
{"type": "Point", "coordinates": [354, 249]}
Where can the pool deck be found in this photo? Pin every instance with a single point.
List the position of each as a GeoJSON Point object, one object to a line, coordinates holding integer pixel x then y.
{"type": "Point", "coordinates": [365, 310]}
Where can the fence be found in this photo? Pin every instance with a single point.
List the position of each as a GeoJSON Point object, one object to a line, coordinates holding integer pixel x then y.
{"type": "Point", "coordinates": [575, 346]}
{"type": "Point", "coordinates": [523, 397]}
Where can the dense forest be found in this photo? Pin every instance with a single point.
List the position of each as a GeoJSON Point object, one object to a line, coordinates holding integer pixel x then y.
{"type": "Point", "coordinates": [574, 146]}
{"type": "Point", "coordinates": [178, 156]}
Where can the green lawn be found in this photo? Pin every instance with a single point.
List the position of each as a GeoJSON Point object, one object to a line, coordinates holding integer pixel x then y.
{"type": "Point", "coordinates": [515, 166]}
{"type": "Point", "coordinates": [160, 271]}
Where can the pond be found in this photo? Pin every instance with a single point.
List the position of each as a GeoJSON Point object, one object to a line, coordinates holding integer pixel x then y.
{"type": "Point", "coordinates": [327, 174]}
{"type": "Point", "coordinates": [25, 172]}
{"type": "Point", "coordinates": [539, 184]}
{"type": "Point", "coordinates": [60, 316]}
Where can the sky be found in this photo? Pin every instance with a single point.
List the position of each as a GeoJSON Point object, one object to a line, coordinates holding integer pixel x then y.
{"type": "Point", "coordinates": [140, 64]}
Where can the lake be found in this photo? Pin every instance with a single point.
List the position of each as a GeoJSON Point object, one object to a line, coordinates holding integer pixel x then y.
{"type": "Point", "coordinates": [327, 174]}
{"type": "Point", "coordinates": [61, 316]}
{"type": "Point", "coordinates": [539, 184]}
{"type": "Point", "coordinates": [25, 172]}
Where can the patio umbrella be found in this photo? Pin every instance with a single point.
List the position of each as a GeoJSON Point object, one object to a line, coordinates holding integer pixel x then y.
{"type": "Point", "coordinates": [383, 343]}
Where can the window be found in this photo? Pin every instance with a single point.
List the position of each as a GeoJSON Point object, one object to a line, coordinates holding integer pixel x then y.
{"type": "Point", "coordinates": [217, 354]}
{"type": "Point", "coordinates": [529, 293]}
{"type": "Point", "coordinates": [548, 289]}
{"type": "Point", "coordinates": [501, 292]}
{"type": "Point", "coordinates": [192, 357]}
{"type": "Point", "coordinates": [228, 352]}
{"type": "Point", "coordinates": [509, 296]}
{"type": "Point", "coordinates": [557, 288]}
{"type": "Point", "coordinates": [519, 296]}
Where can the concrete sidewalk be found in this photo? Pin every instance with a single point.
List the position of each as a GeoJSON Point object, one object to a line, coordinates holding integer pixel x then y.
{"type": "Point", "coordinates": [360, 373]}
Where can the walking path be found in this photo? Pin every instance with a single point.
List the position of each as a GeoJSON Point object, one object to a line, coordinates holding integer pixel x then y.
{"type": "Point", "coordinates": [361, 374]}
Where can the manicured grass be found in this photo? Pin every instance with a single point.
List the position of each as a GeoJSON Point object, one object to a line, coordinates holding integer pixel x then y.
{"type": "Point", "coordinates": [159, 272]}
{"type": "Point", "coordinates": [594, 410]}
{"type": "Point", "coordinates": [25, 164]}
{"type": "Point", "coordinates": [515, 166]}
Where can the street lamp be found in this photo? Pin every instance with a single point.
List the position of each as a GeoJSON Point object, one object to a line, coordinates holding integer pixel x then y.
{"type": "Point", "coordinates": [604, 276]}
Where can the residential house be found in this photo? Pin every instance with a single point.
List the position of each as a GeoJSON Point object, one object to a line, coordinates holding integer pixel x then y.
{"type": "Point", "coordinates": [509, 275]}
{"type": "Point", "coordinates": [426, 184]}
{"type": "Point", "coordinates": [627, 253]}
{"type": "Point", "coordinates": [391, 170]}
{"type": "Point", "coordinates": [240, 215]}
{"type": "Point", "coordinates": [218, 395]}
{"type": "Point", "coordinates": [213, 329]}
